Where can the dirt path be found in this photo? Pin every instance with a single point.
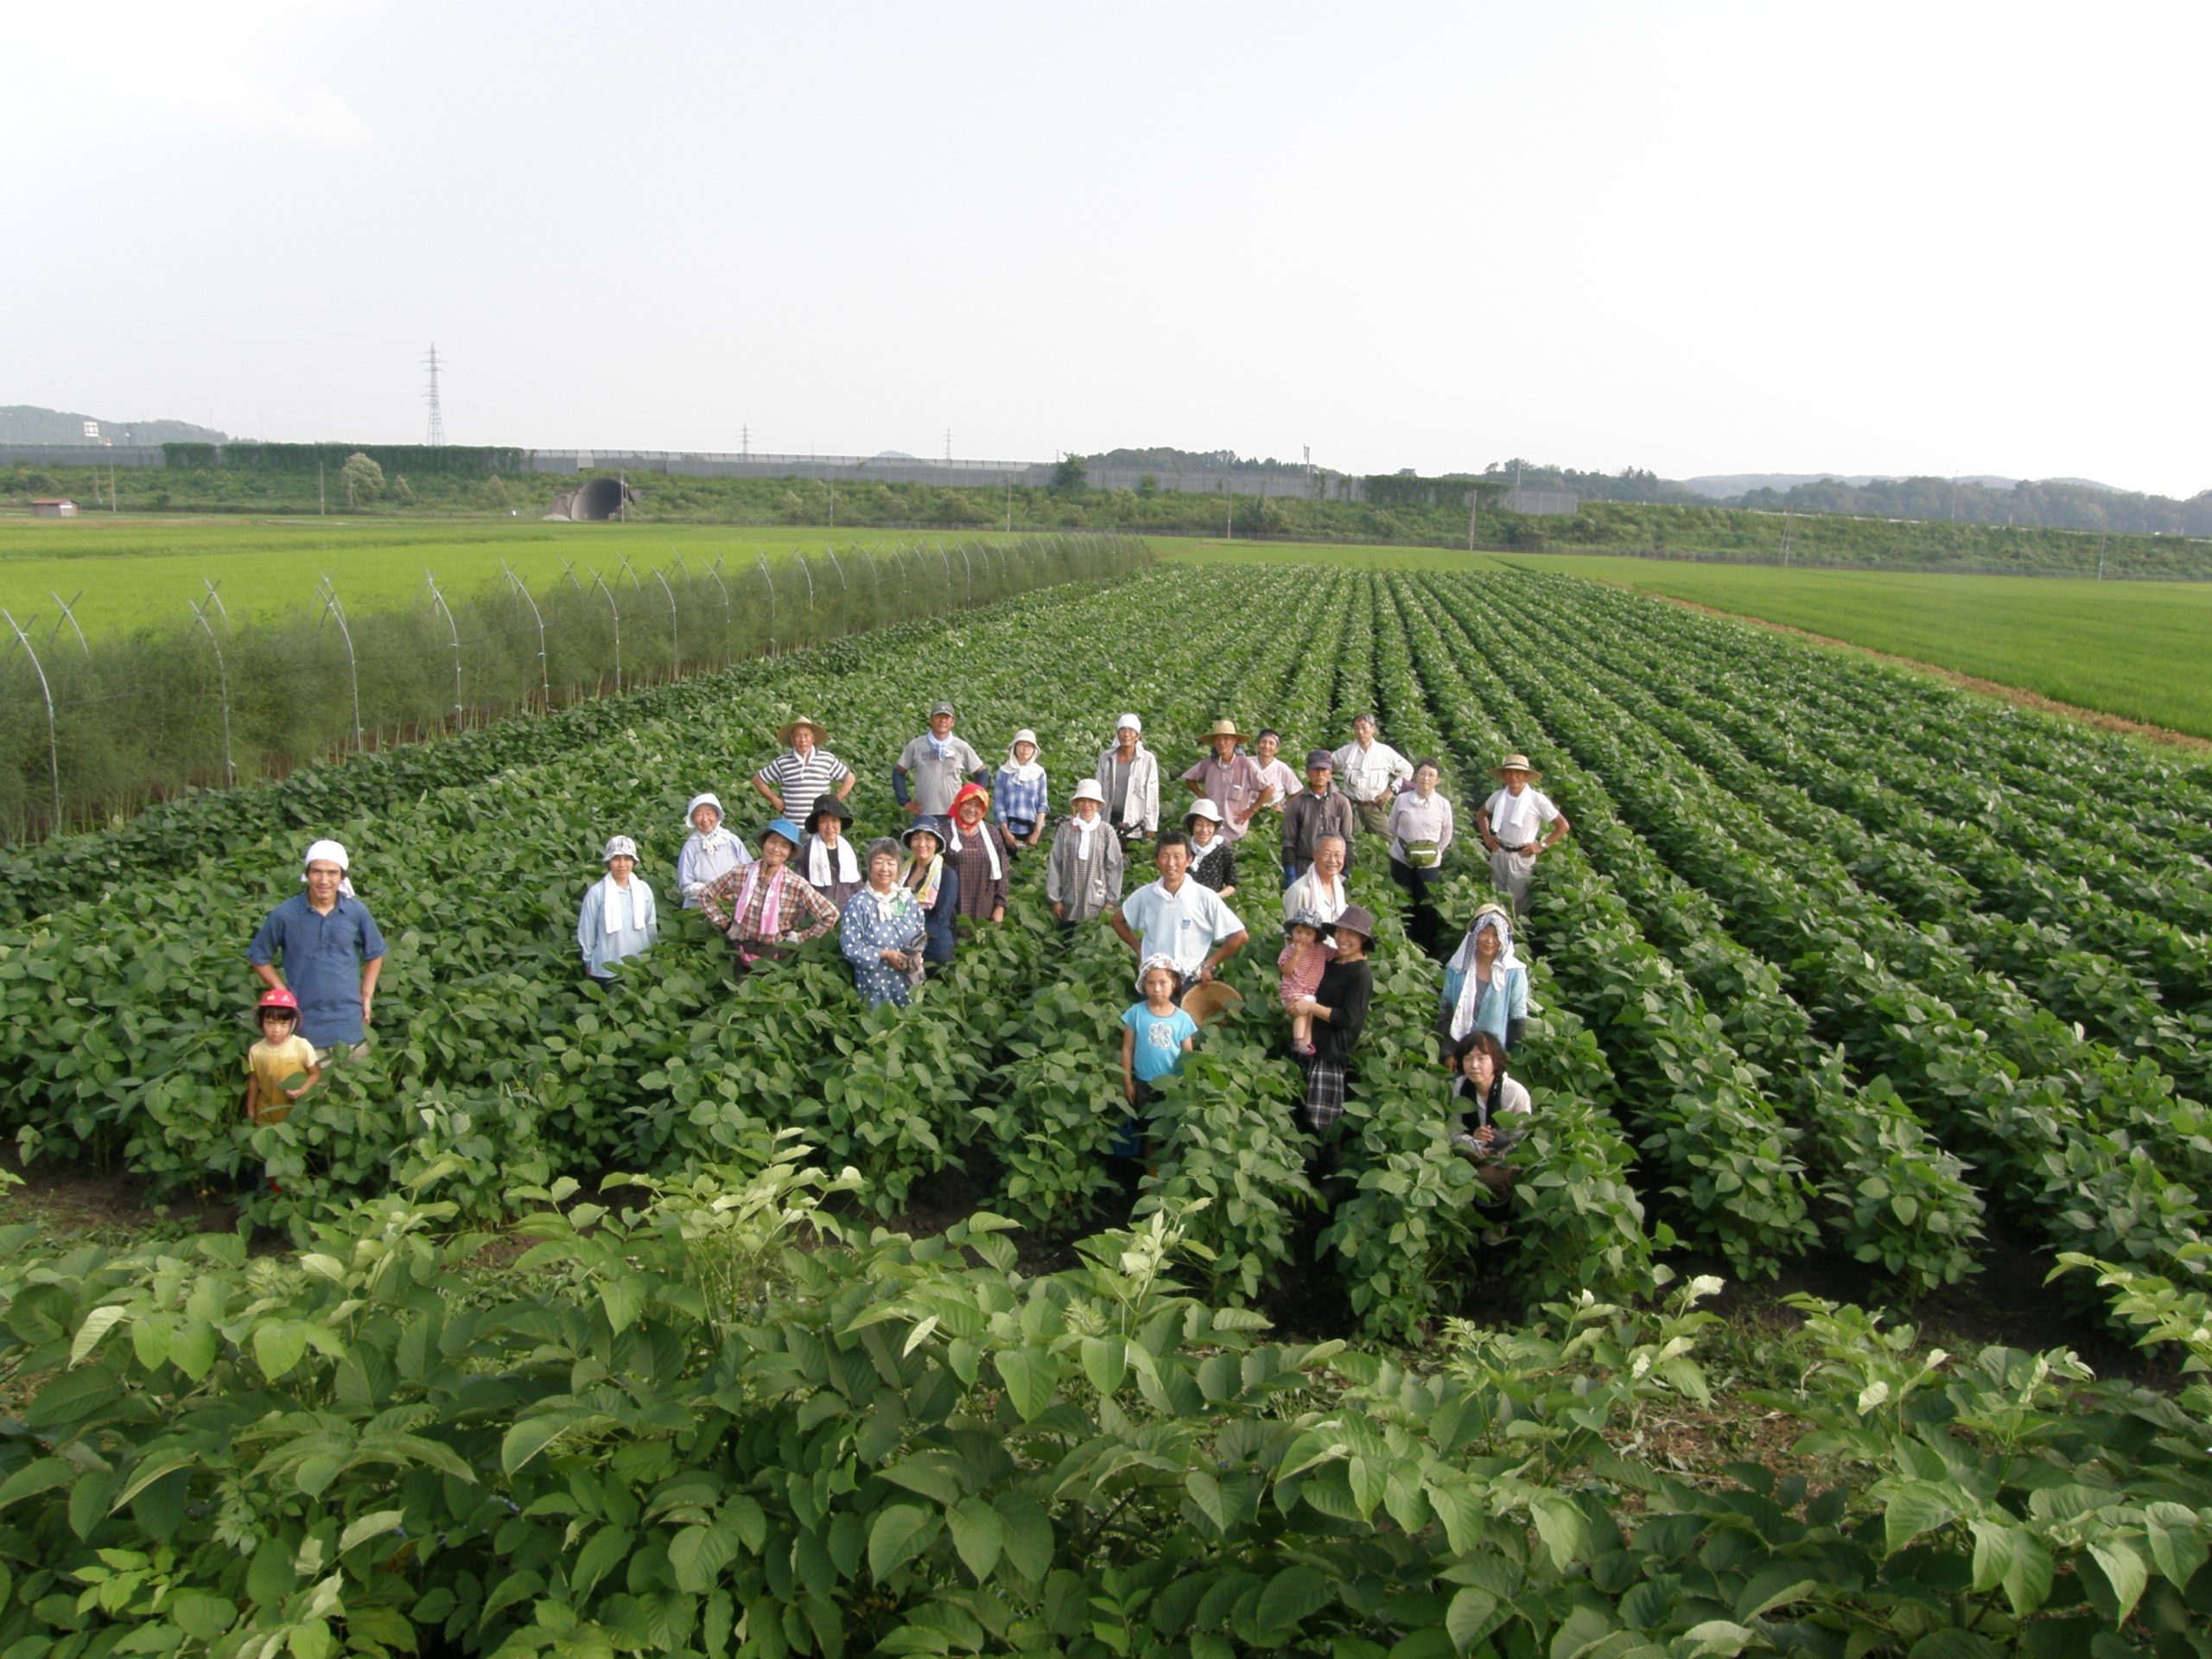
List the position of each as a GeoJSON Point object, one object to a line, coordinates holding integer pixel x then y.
{"type": "Point", "coordinates": [2012, 694]}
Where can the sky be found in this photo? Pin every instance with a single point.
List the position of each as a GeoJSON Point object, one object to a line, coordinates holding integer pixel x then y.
{"type": "Point", "coordinates": [1950, 239]}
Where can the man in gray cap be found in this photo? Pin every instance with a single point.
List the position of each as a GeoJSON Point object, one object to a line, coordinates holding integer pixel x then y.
{"type": "Point", "coordinates": [938, 763]}
{"type": "Point", "coordinates": [1321, 809]}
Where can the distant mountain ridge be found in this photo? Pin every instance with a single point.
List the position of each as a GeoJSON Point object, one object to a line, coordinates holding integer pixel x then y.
{"type": "Point", "coordinates": [28, 424]}
{"type": "Point", "coordinates": [1722, 485]}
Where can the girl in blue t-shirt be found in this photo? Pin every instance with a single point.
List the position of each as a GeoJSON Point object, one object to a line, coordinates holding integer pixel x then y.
{"type": "Point", "coordinates": [1155, 1035]}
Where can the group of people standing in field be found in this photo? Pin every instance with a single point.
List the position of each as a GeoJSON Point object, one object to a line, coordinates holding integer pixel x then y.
{"type": "Point", "coordinates": [893, 903]}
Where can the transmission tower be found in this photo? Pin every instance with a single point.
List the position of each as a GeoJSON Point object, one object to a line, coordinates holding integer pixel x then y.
{"type": "Point", "coordinates": [437, 419]}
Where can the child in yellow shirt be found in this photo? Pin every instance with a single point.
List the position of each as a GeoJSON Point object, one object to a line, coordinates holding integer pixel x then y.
{"type": "Point", "coordinates": [281, 1055]}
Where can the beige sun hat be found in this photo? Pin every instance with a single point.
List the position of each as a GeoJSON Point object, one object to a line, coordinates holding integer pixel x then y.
{"type": "Point", "coordinates": [784, 733]}
{"type": "Point", "coordinates": [1087, 790]}
{"type": "Point", "coordinates": [1210, 1000]}
{"type": "Point", "coordinates": [1514, 762]}
{"type": "Point", "coordinates": [1224, 728]}
{"type": "Point", "coordinates": [1202, 808]}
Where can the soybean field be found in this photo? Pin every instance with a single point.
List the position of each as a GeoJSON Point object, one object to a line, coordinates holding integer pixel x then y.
{"type": "Point", "coordinates": [714, 1319]}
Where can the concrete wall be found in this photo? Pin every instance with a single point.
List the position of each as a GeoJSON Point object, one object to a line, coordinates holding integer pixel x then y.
{"type": "Point", "coordinates": [78, 454]}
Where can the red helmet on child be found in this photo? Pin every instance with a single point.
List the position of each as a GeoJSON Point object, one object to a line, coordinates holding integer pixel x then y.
{"type": "Point", "coordinates": [277, 997]}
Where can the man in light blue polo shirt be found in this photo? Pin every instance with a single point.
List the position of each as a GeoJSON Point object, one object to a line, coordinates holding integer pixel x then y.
{"type": "Point", "coordinates": [331, 952]}
{"type": "Point", "coordinates": [1179, 917]}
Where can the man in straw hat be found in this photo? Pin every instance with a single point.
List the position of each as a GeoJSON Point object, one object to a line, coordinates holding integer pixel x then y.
{"type": "Point", "coordinates": [1232, 781]}
{"type": "Point", "coordinates": [1515, 822]}
{"type": "Point", "coordinates": [791, 782]}
{"type": "Point", "coordinates": [937, 762]}
{"type": "Point", "coordinates": [1372, 772]}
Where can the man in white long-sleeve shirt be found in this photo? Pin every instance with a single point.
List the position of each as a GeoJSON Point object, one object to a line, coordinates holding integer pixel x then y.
{"type": "Point", "coordinates": [1372, 772]}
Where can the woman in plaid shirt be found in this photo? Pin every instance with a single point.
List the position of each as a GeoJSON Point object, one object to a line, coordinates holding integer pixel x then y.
{"type": "Point", "coordinates": [1019, 801]}
{"type": "Point", "coordinates": [767, 908]}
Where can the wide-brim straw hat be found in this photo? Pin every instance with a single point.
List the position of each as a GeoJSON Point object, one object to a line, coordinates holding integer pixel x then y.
{"type": "Point", "coordinates": [783, 732]}
{"type": "Point", "coordinates": [1221, 729]}
{"type": "Point", "coordinates": [1210, 1000]}
{"type": "Point", "coordinates": [1514, 763]}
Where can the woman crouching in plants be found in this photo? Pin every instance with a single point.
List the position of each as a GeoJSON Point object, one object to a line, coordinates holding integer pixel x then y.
{"type": "Point", "coordinates": [759, 908]}
{"type": "Point", "coordinates": [936, 888]}
{"type": "Point", "coordinates": [1338, 1010]}
{"type": "Point", "coordinates": [882, 931]}
{"type": "Point", "coordinates": [1496, 1099]}
{"type": "Point", "coordinates": [280, 1056]}
{"type": "Point", "coordinates": [1155, 1035]}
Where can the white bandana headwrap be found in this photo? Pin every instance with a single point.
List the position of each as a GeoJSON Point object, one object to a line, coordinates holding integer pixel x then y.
{"type": "Point", "coordinates": [329, 852]}
{"type": "Point", "coordinates": [1463, 963]}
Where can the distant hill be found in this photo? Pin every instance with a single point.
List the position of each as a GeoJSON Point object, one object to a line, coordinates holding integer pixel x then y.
{"type": "Point", "coordinates": [1726, 485]}
{"type": "Point", "coordinates": [27, 423]}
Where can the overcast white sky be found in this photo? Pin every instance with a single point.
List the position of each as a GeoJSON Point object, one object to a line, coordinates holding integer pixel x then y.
{"type": "Point", "coordinates": [1926, 238]}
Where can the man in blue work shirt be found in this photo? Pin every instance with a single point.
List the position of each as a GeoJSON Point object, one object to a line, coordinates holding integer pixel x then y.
{"type": "Point", "coordinates": [331, 955]}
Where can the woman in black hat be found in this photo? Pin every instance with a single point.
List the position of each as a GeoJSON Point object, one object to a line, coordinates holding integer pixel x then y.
{"type": "Point", "coordinates": [1338, 1010]}
{"type": "Point", "coordinates": [936, 885]}
{"type": "Point", "coordinates": [828, 861]}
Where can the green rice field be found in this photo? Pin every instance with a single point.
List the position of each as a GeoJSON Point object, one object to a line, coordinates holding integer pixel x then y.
{"type": "Point", "coordinates": [2135, 648]}
{"type": "Point", "coordinates": [135, 572]}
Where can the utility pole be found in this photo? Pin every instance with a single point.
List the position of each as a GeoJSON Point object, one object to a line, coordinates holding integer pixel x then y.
{"type": "Point", "coordinates": [948, 446]}
{"type": "Point", "coordinates": [744, 441]}
{"type": "Point", "coordinates": [321, 505]}
{"type": "Point", "coordinates": [2100, 555]}
{"type": "Point", "coordinates": [437, 418]}
{"type": "Point", "coordinates": [1474, 506]}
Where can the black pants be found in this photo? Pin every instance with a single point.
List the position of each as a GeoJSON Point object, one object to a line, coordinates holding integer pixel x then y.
{"type": "Point", "coordinates": [1424, 922]}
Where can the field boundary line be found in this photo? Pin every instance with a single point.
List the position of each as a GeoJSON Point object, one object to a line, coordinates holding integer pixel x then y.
{"type": "Point", "coordinates": [2017, 695]}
